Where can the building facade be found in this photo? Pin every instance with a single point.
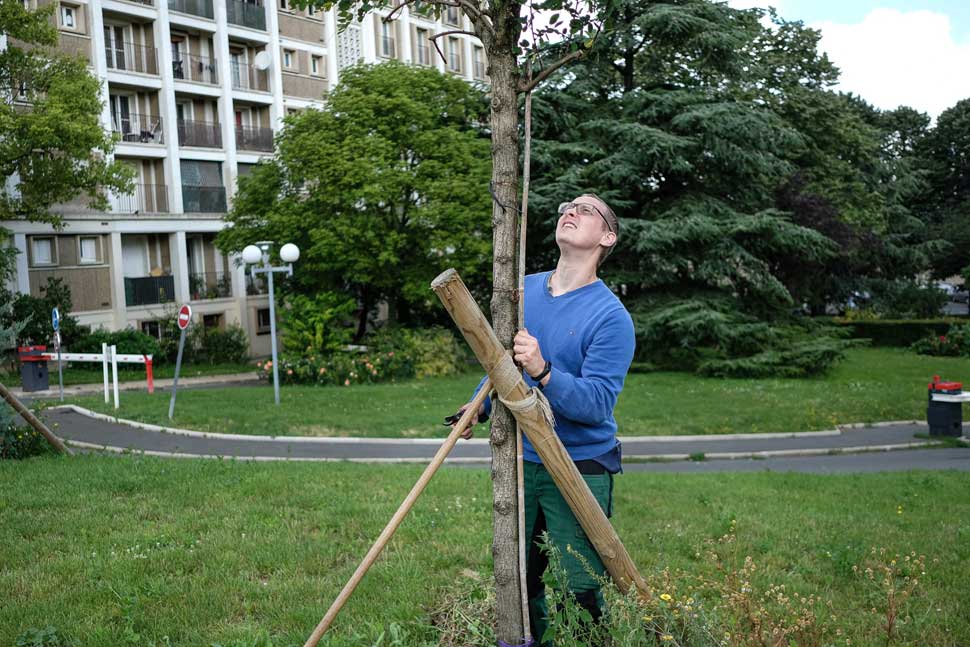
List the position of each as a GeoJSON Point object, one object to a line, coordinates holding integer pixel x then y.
{"type": "Point", "coordinates": [196, 90]}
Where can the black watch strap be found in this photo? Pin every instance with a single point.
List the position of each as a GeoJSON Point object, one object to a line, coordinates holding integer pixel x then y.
{"type": "Point", "coordinates": [545, 372]}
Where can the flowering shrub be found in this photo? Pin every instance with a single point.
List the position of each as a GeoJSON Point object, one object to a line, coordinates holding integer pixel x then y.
{"type": "Point", "coordinates": [956, 343]}
{"type": "Point", "coordinates": [341, 369]}
{"type": "Point", "coordinates": [399, 354]}
{"type": "Point", "coordinates": [21, 442]}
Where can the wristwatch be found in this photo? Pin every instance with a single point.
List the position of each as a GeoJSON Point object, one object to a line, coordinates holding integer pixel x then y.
{"type": "Point", "coordinates": [545, 372]}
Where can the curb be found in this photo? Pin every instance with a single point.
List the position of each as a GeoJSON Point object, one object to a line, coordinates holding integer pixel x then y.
{"type": "Point", "coordinates": [787, 453]}
{"type": "Point", "coordinates": [437, 441]}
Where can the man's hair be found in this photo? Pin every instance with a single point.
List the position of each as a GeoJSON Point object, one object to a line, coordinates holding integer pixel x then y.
{"type": "Point", "coordinates": [614, 223]}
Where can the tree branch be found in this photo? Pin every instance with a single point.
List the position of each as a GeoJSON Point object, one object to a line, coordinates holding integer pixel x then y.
{"type": "Point", "coordinates": [435, 37]}
{"type": "Point", "coordinates": [529, 85]}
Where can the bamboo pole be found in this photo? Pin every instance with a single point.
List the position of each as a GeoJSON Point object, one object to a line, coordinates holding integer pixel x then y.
{"type": "Point", "coordinates": [34, 421]}
{"type": "Point", "coordinates": [471, 412]}
{"type": "Point", "coordinates": [508, 382]}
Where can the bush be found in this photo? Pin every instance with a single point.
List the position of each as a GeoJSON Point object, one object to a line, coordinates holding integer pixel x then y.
{"type": "Point", "coordinates": [129, 341]}
{"type": "Point", "coordinates": [34, 316]}
{"type": "Point", "coordinates": [21, 442]}
{"type": "Point", "coordinates": [317, 325]}
{"type": "Point", "coordinates": [215, 346]}
{"type": "Point", "coordinates": [954, 344]}
{"type": "Point", "coordinates": [897, 333]}
{"type": "Point", "coordinates": [907, 300]}
{"type": "Point", "coordinates": [433, 352]}
{"type": "Point", "coordinates": [341, 368]}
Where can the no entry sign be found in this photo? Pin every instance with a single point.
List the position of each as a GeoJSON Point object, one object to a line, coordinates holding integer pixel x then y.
{"type": "Point", "coordinates": [185, 316]}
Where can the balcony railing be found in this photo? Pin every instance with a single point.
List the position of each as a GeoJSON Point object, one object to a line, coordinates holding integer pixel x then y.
{"type": "Point", "coordinates": [210, 285]}
{"type": "Point", "coordinates": [246, 14]}
{"type": "Point", "coordinates": [150, 3]}
{"type": "Point", "coordinates": [254, 138]}
{"type": "Point", "coordinates": [247, 77]}
{"type": "Point", "coordinates": [138, 129]}
{"type": "Point", "coordinates": [256, 286]}
{"type": "Point", "coordinates": [130, 57]}
{"type": "Point", "coordinates": [203, 199]}
{"type": "Point", "coordinates": [199, 133]}
{"type": "Point", "coordinates": [149, 290]}
{"type": "Point", "coordinates": [195, 7]}
{"type": "Point", "coordinates": [145, 198]}
{"type": "Point", "coordinates": [189, 67]}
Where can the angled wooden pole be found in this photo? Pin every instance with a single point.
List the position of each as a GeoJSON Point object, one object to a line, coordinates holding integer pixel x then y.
{"type": "Point", "coordinates": [471, 412]}
{"type": "Point", "coordinates": [33, 421]}
{"type": "Point", "coordinates": [508, 383]}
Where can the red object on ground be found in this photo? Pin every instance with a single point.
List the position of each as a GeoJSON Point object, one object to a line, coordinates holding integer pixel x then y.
{"type": "Point", "coordinates": [185, 315]}
{"type": "Point", "coordinates": [149, 374]}
{"type": "Point", "coordinates": [949, 388]}
{"type": "Point", "coordinates": [33, 353]}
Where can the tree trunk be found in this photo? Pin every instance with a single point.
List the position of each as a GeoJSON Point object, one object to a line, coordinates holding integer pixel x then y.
{"type": "Point", "coordinates": [503, 70]}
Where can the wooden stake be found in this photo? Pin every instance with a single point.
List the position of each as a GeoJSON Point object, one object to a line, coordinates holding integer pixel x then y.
{"type": "Point", "coordinates": [34, 421]}
{"type": "Point", "coordinates": [471, 412]}
{"type": "Point", "coordinates": [508, 382]}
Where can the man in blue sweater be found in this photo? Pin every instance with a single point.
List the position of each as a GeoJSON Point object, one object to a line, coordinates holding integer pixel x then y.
{"type": "Point", "coordinates": [576, 346]}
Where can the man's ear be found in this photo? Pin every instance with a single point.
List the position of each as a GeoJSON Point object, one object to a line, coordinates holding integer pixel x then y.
{"type": "Point", "coordinates": [608, 239]}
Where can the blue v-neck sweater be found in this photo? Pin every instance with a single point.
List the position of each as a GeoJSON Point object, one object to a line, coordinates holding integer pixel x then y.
{"type": "Point", "coordinates": [588, 336]}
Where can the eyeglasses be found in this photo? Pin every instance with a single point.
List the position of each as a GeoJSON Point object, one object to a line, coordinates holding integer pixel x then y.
{"type": "Point", "coordinates": [584, 209]}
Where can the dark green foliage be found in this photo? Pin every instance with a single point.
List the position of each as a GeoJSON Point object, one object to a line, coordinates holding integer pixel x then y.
{"type": "Point", "coordinates": [317, 324]}
{"type": "Point", "coordinates": [955, 343]}
{"type": "Point", "coordinates": [22, 442]}
{"type": "Point", "coordinates": [217, 346]}
{"type": "Point", "coordinates": [432, 352]}
{"type": "Point", "coordinates": [898, 333]}
{"type": "Point", "coordinates": [128, 341]}
{"type": "Point", "coordinates": [33, 314]}
{"type": "Point", "coordinates": [382, 190]}
{"type": "Point", "coordinates": [906, 299]}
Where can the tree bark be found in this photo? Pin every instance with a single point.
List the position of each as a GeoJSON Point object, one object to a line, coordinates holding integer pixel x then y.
{"type": "Point", "coordinates": [503, 70]}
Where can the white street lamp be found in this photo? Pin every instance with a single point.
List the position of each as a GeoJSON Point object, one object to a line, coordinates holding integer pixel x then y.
{"type": "Point", "coordinates": [259, 253]}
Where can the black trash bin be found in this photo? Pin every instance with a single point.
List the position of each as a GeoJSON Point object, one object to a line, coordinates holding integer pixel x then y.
{"type": "Point", "coordinates": [944, 418]}
{"type": "Point", "coordinates": [33, 369]}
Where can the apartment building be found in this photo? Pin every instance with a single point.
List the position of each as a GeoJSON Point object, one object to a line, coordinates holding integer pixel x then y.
{"type": "Point", "coordinates": [196, 89]}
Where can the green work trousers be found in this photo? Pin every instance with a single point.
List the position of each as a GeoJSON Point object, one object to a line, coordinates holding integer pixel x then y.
{"type": "Point", "coordinates": [547, 511]}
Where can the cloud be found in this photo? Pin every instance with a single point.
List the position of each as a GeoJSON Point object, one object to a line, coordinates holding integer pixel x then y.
{"type": "Point", "coordinates": [895, 58]}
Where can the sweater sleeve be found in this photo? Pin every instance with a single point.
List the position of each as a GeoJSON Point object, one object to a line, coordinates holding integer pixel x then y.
{"type": "Point", "coordinates": [590, 397]}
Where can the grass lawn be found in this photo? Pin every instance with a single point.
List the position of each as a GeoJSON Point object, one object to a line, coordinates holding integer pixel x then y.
{"type": "Point", "coordinates": [871, 385]}
{"type": "Point", "coordinates": [92, 373]}
{"type": "Point", "coordinates": [142, 551]}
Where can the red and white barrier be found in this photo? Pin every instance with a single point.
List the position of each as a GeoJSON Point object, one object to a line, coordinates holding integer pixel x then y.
{"type": "Point", "coordinates": [107, 354]}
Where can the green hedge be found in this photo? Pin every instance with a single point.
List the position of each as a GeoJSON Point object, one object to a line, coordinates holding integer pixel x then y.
{"type": "Point", "coordinates": [898, 333]}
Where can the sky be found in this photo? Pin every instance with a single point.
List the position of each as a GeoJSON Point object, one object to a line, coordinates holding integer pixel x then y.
{"type": "Point", "coordinates": [891, 52]}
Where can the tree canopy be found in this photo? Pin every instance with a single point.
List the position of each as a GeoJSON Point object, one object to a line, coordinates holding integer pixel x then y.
{"type": "Point", "coordinates": [51, 141]}
{"type": "Point", "coordinates": [382, 190]}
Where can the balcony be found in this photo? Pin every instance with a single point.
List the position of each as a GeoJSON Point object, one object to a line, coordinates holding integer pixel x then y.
{"type": "Point", "coordinates": [201, 8]}
{"type": "Point", "coordinates": [246, 13]}
{"type": "Point", "coordinates": [138, 129]}
{"type": "Point", "coordinates": [254, 138]}
{"type": "Point", "coordinates": [189, 67]}
{"type": "Point", "coordinates": [247, 77]}
{"type": "Point", "coordinates": [145, 198]}
{"type": "Point", "coordinates": [149, 290]}
{"type": "Point", "coordinates": [129, 57]}
{"type": "Point", "coordinates": [199, 133]}
{"type": "Point", "coordinates": [203, 199]}
{"type": "Point", "coordinates": [210, 285]}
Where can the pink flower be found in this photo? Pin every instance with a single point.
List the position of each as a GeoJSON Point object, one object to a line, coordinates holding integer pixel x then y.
{"type": "Point", "coordinates": [289, 371]}
{"type": "Point", "coordinates": [373, 372]}
{"type": "Point", "coordinates": [346, 382]}
{"type": "Point", "coordinates": [269, 364]}
{"type": "Point", "coordinates": [322, 371]}
{"type": "Point", "coordinates": [391, 354]}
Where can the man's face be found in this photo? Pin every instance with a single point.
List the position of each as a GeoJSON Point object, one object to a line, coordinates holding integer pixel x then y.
{"type": "Point", "coordinates": [582, 228]}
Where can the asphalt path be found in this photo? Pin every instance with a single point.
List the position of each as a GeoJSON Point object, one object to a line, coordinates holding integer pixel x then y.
{"type": "Point", "coordinates": [758, 452]}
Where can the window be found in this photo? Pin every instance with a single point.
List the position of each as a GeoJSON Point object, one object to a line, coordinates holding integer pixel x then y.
{"type": "Point", "coordinates": [22, 90]}
{"type": "Point", "coordinates": [42, 251]}
{"type": "Point", "coordinates": [454, 58]}
{"type": "Point", "coordinates": [387, 40]}
{"type": "Point", "coordinates": [262, 321]}
{"type": "Point", "coordinates": [316, 65]}
{"type": "Point", "coordinates": [421, 46]}
{"type": "Point", "coordinates": [285, 5]}
{"type": "Point", "coordinates": [289, 56]}
{"type": "Point", "coordinates": [210, 322]}
{"type": "Point", "coordinates": [68, 17]}
{"type": "Point", "coordinates": [152, 328]}
{"type": "Point", "coordinates": [478, 62]}
{"type": "Point", "coordinates": [87, 250]}
{"type": "Point", "coordinates": [451, 16]}
{"type": "Point", "coordinates": [311, 11]}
